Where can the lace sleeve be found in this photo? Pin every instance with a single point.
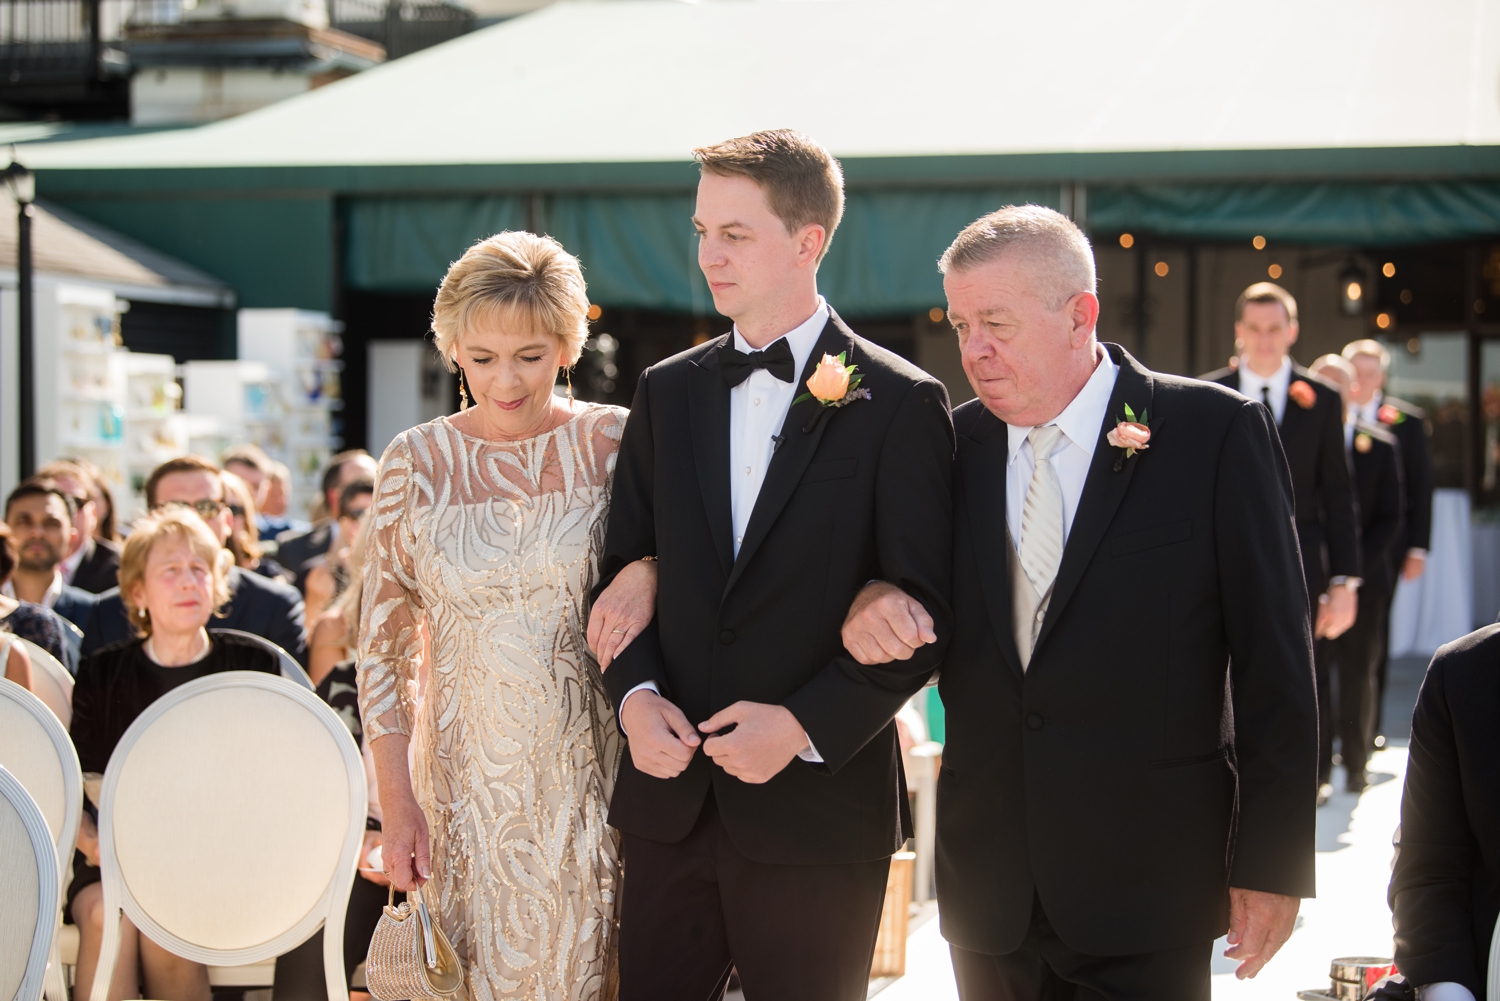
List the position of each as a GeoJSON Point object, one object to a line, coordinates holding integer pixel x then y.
{"type": "Point", "coordinates": [390, 641]}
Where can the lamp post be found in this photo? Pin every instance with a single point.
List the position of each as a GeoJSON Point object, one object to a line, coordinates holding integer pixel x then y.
{"type": "Point", "coordinates": [22, 185]}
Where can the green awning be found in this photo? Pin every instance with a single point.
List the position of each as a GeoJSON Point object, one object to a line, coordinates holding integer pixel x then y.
{"type": "Point", "coordinates": [639, 251]}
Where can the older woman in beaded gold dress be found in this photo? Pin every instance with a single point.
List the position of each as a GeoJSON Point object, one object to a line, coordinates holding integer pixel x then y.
{"type": "Point", "coordinates": [487, 526]}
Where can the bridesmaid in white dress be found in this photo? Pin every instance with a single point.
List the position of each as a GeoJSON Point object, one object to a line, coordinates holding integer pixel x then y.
{"type": "Point", "coordinates": [487, 527]}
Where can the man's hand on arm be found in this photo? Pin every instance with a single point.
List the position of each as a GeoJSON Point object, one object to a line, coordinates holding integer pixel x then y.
{"type": "Point", "coordinates": [660, 738]}
{"type": "Point", "coordinates": [1416, 562]}
{"type": "Point", "coordinates": [1259, 925]}
{"type": "Point", "coordinates": [1337, 613]}
{"type": "Point", "coordinates": [622, 611]}
{"type": "Point", "coordinates": [885, 624]}
{"type": "Point", "coordinates": [764, 740]}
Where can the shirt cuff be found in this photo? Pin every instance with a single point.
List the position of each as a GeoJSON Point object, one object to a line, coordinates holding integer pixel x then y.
{"type": "Point", "coordinates": [1353, 582]}
{"type": "Point", "coordinates": [1445, 991]}
{"type": "Point", "coordinates": [811, 755]}
{"type": "Point", "coordinates": [1417, 551]}
{"type": "Point", "coordinates": [650, 686]}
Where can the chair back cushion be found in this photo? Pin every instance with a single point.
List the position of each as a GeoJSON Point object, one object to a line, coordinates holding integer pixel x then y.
{"type": "Point", "coordinates": [229, 810]}
{"type": "Point", "coordinates": [28, 892]}
{"type": "Point", "coordinates": [30, 753]}
{"type": "Point", "coordinates": [51, 683]}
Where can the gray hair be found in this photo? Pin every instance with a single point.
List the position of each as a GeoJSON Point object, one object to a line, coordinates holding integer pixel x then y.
{"type": "Point", "coordinates": [1046, 237]}
{"type": "Point", "coordinates": [1373, 349]}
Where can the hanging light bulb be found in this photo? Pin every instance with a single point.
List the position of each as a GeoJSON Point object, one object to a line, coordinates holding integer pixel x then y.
{"type": "Point", "coordinates": [1352, 291]}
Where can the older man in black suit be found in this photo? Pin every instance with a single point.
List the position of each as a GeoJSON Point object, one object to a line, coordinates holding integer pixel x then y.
{"type": "Point", "coordinates": [1132, 729]}
{"type": "Point", "coordinates": [268, 608]}
{"type": "Point", "coordinates": [1445, 885]}
{"type": "Point", "coordinates": [1375, 457]}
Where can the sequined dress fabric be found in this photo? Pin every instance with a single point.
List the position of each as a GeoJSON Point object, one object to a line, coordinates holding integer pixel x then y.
{"type": "Point", "coordinates": [514, 745]}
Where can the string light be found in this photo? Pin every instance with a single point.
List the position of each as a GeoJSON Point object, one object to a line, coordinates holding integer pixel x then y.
{"type": "Point", "coordinates": [1127, 241]}
{"type": "Point", "coordinates": [935, 315]}
{"type": "Point", "coordinates": [1162, 269]}
{"type": "Point", "coordinates": [594, 311]}
{"type": "Point", "coordinates": [1274, 271]}
{"type": "Point", "coordinates": [1388, 269]}
{"type": "Point", "coordinates": [1259, 243]}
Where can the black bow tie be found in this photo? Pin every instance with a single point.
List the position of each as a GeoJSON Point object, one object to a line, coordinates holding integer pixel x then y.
{"type": "Point", "coordinates": [776, 359]}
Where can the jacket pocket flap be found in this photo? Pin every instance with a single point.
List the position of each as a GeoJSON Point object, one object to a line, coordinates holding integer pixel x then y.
{"type": "Point", "coordinates": [1150, 538]}
{"type": "Point", "coordinates": [830, 469]}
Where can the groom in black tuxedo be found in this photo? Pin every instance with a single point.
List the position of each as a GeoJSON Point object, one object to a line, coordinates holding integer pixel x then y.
{"type": "Point", "coordinates": [1132, 730]}
{"type": "Point", "coordinates": [762, 795]}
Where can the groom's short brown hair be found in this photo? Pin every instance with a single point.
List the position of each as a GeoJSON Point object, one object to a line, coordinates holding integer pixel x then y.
{"type": "Point", "coordinates": [802, 181]}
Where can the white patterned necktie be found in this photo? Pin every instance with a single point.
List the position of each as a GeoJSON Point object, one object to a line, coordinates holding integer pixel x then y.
{"type": "Point", "coordinates": [1042, 518]}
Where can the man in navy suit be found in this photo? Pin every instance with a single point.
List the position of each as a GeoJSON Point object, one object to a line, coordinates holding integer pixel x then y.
{"type": "Point", "coordinates": [40, 516]}
{"type": "Point", "coordinates": [268, 608]}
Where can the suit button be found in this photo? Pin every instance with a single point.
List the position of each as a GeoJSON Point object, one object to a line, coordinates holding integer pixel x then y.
{"type": "Point", "coordinates": [726, 637]}
{"type": "Point", "coordinates": [1033, 721]}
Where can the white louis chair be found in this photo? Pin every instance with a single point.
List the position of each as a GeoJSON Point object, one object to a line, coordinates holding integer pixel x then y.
{"type": "Point", "coordinates": [290, 669]}
{"type": "Point", "coordinates": [37, 751]}
{"type": "Point", "coordinates": [51, 682]}
{"type": "Point", "coordinates": [230, 822]}
{"type": "Point", "coordinates": [28, 892]}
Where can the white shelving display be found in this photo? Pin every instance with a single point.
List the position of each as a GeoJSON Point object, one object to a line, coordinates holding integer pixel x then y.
{"type": "Point", "coordinates": [290, 392]}
{"type": "Point", "coordinates": [81, 378]}
{"type": "Point", "coordinates": [155, 427]}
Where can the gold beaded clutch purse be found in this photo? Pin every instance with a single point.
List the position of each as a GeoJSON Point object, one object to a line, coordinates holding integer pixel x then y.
{"type": "Point", "coordinates": [410, 958]}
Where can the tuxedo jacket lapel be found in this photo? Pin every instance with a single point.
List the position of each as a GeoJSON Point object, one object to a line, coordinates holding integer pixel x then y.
{"type": "Point", "coordinates": [800, 433]}
{"type": "Point", "coordinates": [983, 452]}
{"type": "Point", "coordinates": [1103, 490]}
{"type": "Point", "coordinates": [1295, 418]}
{"type": "Point", "coordinates": [708, 409]}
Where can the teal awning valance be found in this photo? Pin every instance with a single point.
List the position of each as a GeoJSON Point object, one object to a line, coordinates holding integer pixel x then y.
{"type": "Point", "coordinates": [639, 250]}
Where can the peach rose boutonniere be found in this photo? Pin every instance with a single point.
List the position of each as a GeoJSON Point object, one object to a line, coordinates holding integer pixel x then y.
{"type": "Point", "coordinates": [1302, 394]}
{"type": "Point", "coordinates": [834, 383]}
{"type": "Point", "coordinates": [1388, 414]}
{"type": "Point", "coordinates": [1130, 435]}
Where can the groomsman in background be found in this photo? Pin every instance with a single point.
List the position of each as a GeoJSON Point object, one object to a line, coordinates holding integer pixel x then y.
{"type": "Point", "coordinates": [1375, 457]}
{"type": "Point", "coordinates": [1310, 419]}
{"type": "Point", "coordinates": [1371, 362]}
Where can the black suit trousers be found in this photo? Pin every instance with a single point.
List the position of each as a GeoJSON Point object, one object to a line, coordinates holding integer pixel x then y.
{"type": "Point", "coordinates": [694, 910]}
{"type": "Point", "coordinates": [1046, 969]}
{"type": "Point", "coordinates": [1354, 658]}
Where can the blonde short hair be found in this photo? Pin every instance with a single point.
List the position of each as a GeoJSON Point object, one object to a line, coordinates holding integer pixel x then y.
{"type": "Point", "coordinates": [1266, 292]}
{"type": "Point", "coordinates": [166, 524]}
{"type": "Point", "coordinates": [1044, 235]}
{"type": "Point", "coordinates": [1373, 349]}
{"type": "Point", "coordinates": [531, 277]}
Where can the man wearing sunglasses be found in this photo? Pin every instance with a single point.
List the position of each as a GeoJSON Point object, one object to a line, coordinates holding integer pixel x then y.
{"type": "Point", "coordinates": [258, 605]}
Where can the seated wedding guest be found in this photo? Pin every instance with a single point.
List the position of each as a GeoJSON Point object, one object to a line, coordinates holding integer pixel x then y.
{"type": "Point", "coordinates": [244, 541]}
{"type": "Point", "coordinates": [173, 575]}
{"type": "Point", "coordinates": [1445, 884]}
{"type": "Point", "coordinates": [40, 517]}
{"type": "Point", "coordinates": [92, 563]}
{"type": "Point", "coordinates": [259, 605]}
{"type": "Point", "coordinates": [327, 576]}
{"type": "Point", "coordinates": [15, 662]}
{"type": "Point", "coordinates": [36, 623]}
{"type": "Point", "coordinates": [297, 549]}
{"type": "Point", "coordinates": [105, 529]}
{"type": "Point", "coordinates": [332, 639]}
{"type": "Point", "coordinates": [275, 522]}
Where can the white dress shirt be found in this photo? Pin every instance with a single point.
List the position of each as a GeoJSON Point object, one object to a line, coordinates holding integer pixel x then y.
{"type": "Point", "coordinates": [1080, 422]}
{"type": "Point", "coordinates": [49, 599]}
{"type": "Point", "coordinates": [1251, 385]}
{"type": "Point", "coordinates": [757, 409]}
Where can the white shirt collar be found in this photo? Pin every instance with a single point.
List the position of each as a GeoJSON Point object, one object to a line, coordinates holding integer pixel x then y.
{"type": "Point", "coordinates": [49, 599]}
{"type": "Point", "coordinates": [1082, 419]}
{"type": "Point", "coordinates": [801, 339]}
{"type": "Point", "coordinates": [1251, 382]}
{"type": "Point", "coordinates": [1370, 412]}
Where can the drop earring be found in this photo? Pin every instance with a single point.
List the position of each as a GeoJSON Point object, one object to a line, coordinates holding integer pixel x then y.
{"type": "Point", "coordinates": [463, 391]}
{"type": "Point", "coordinates": [568, 374]}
